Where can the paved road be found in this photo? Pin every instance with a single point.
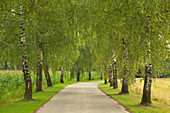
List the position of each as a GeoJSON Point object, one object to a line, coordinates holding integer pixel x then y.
{"type": "Point", "coordinates": [81, 98]}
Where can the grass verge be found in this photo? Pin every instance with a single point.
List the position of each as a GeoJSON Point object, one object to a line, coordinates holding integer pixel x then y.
{"type": "Point", "coordinates": [18, 105]}
{"type": "Point", "coordinates": [132, 101]}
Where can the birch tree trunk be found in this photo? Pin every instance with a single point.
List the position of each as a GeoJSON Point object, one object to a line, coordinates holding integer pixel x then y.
{"type": "Point", "coordinates": [146, 97]}
{"type": "Point", "coordinates": [47, 75]}
{"type": "Point", "coordinates": [62, 74]}
{"type": "Point", "coordinates": [124, 89]}
{"type": "Point", "coordinates": [115, 84]}
{"type": "Point", "coordinates": [46, 70]}
{"type": "Point", "coordinates": [27, 78]}
{"type": "Point", "coordinates": [110, 75]}
{"type": "Point", "coordinates": [39, 75]}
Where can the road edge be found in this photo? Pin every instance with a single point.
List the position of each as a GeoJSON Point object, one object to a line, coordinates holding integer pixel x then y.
{"type": "Point", "coordinates": [126, 109]}
{"type": "Point", "coordinates": [50, 98]}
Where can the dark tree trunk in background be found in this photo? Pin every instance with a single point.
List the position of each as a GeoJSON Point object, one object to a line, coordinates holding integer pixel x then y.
{"type": "Point", "coordinates": [27, 78]}
{"type": "Point", "coordinates": [46, 71]}
{"type": "Point", "coordinates": [62, 74]}
{"type": "Point", "coordinates": [115, 83]}
{"type": "Point", "coordinates": [101, 77]}
{"type": "Point", "coordinates": [89, 75]}
{"type": "Point", "coordinates": [47, 75]}
{"type": "Point", "coordinates": [12, 65]}
{"type": "Point", "coordinates": [124, 89]}
{"type": "Point", "coordinates": [110, 75]}
{"type": "Point", "coordinates": [146, 97]}
{"type": "Point", "coordinates": [18, 67]}
{"type": "Point", "coordinates": [6, 65]}
{"type": "Point", "coordinates": [78, 75]}
{"type": "Point", "coordinates": [82, 71]}
{"type": "Point", "coordinates": [39, 75]}
{"type": "Point", "coordinates": [105, 80]}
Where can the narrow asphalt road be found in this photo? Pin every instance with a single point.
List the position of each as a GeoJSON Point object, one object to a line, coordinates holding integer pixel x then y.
{"type": "Point", "coordinates": [82, 97]}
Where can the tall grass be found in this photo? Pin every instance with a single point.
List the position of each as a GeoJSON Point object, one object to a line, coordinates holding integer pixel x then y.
{"type": "Point", "coordinates": [12, 83]}
{"type": "Point", "coordinates": [160, 89]}
{"type": "Point", "coordinates": [132, 101]}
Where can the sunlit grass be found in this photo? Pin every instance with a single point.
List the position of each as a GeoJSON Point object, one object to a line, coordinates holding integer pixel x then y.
{"type": "Point", "coordinates": [132, 101]}
{"type": "Point", "coordinates": [12, 100]}
{"type": "Point", "coordinates": [12, 82]}
{"type": "Point", "coordinates": [160, 89]}
{"type": "Point", "coordinates": [18, 105]}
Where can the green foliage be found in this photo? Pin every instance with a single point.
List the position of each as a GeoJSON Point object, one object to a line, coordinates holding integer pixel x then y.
{"type": "Point", "coordinates": [61, 28]}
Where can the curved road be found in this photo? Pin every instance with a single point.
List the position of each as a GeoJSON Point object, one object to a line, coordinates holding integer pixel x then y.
{"type": "Point", "coordinates": [82, 97]}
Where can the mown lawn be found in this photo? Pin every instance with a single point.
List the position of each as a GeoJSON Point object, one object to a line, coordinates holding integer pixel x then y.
{"type": "Point", "coordinates": [18, 105]}
{"type": "Point", "coordinates": [132, 101]}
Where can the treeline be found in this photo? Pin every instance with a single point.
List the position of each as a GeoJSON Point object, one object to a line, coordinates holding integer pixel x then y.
{"type": "Point", "coordinates": [114, 37]}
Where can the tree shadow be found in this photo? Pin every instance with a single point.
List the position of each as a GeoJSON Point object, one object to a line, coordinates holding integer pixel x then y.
{"type": "Point", "coordinates": [28, 100]}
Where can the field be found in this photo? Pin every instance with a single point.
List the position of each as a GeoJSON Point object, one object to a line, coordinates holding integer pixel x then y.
{"type": "Point", "coordinates": [160, 89]}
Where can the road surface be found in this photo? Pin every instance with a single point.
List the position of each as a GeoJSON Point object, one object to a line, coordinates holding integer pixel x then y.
{"type": "Point", "coordinates": [82, 97]}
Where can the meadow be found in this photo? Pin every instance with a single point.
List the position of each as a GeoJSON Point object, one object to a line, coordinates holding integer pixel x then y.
{"type": "Point", "coordinates": [160, 89]}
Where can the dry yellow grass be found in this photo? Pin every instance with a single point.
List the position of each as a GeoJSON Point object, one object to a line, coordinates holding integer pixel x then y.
{"type": "Point", "coordinates": [160, 89]}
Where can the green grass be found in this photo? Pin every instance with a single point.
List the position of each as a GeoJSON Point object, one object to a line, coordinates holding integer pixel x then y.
{"type": "Point", "coordinates": [12, 82]}
{"type": "Point", "coordinates": [18, 105]}
{"type": "Point", "coordinates": [12, 90]}
{"type": "Point", "coordinates": [132, 101]}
